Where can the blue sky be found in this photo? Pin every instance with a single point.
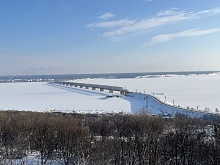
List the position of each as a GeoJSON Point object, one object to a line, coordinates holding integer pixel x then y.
{"type": "Point", "coordinates": [94, 36]}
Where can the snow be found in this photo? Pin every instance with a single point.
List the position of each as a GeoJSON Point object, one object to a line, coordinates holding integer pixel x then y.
{"type": "Point", "coordinates": [33, 158]}
{"type": "Point", "coordinates": [192, 91]}
{"type": "Point", "coordinates": [186, 91]}
{"type": "Point", "coordinates": [155, 106]}
{"type": "Point", "coordinates": [38, 96]}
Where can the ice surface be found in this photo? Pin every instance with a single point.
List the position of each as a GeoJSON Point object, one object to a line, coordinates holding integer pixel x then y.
{"type": "Point", "coordinates": [43, 96]}
{"type": "Point", "coordinates": [193, 90]}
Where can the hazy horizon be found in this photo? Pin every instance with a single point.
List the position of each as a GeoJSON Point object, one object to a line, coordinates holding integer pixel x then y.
{"type": "Point", "coordinates": [122, 73]}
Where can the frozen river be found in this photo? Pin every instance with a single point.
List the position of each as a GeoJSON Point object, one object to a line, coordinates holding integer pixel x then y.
{"type": "Point", "coordinates": [39, 96]}
{"type": "Point", "coordinates": [202, 91]}
{"type": "Point", "coordinates": [192, 90]}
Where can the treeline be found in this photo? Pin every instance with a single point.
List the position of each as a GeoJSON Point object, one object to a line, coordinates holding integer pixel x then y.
{"type": "Point", "coordinates": [111, 140]}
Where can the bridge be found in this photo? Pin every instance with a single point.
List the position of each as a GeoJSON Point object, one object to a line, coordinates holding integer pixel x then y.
{"type": "Point", "coordinates": [111, 89]}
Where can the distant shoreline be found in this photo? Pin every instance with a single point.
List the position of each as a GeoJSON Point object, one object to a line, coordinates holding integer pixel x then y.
{"type": "Point", "coordinates": [61, 77]}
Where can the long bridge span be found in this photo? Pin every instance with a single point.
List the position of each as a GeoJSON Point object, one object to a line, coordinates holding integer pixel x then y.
{"type": "Point", "coordinates": [111, 89]}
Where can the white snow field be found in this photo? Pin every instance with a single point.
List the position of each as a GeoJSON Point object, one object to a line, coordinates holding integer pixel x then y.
{"type": "Point", "coordinates": [38, 96]}
{"type": "Point", "coordinates": [192, 91]}
{"type": "Point", "coordinates": [187, 91]}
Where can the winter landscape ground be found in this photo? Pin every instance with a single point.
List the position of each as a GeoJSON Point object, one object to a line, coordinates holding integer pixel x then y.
{"type": "Point", "coordinates": [185, 91]}
{"type": "Point", "coordinates": [41, 96]}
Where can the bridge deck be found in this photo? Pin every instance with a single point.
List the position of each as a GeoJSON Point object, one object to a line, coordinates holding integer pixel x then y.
{"type": "Point", "coordinates": [106, 87]}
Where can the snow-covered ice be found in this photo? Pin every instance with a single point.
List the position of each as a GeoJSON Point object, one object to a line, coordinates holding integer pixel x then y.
{"type": "Point", "coordinates": [38, 96]}
{"type": "Point", "coordinates": [193, 90]}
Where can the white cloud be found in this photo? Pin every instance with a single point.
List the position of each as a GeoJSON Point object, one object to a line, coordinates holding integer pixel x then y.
{"type": "Point", "coordinates": [106, 16]}
{"type": "Point", "coordinates": [145, 24]}
{"type": "Point", "coordinates": [213, 11]}
{"type": "Point", "coordinates": [111, 24]}
{"type": "Point", "coordinates": [123, 26]}
{"type": "Point", "coordinates": [187, 33]}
